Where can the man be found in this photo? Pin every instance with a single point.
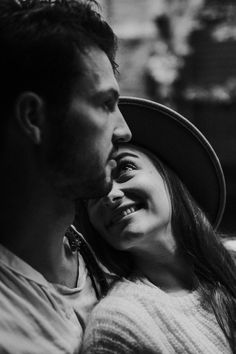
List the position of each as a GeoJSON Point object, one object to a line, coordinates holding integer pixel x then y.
{"type": "Point", "coordinates": [60, 128]}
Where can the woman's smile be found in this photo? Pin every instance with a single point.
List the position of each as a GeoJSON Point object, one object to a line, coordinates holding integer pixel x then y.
{"type": "Point", "coordinates": [122, 212]}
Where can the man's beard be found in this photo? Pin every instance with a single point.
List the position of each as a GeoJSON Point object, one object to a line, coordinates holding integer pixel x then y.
{"type": "Point", "coordinates": [70, 173]}
{"type": "Point", "coordinates": [87, 181]}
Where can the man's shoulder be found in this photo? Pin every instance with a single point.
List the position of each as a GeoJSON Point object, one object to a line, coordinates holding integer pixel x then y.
{"type": "Point", "coordinates": [34, 316]}
{"type": "Point", "coordinates": [34, 320]}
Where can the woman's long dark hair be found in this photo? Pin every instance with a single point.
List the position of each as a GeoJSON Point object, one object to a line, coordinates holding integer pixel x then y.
{"type": "Point", "coordinates": [214, 267]}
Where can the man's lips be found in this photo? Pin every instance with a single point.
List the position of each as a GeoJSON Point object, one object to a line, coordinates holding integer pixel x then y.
{"type": "Point", "coordinates": [112, 163]}
{"type": "Point", "coordinates": [121, 212]}
{"type": "Point", "coordinates": [112, 159]}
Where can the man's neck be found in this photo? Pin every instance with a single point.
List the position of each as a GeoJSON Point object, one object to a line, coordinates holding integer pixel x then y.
{"type": "Point", "coordinates": [34, 230]}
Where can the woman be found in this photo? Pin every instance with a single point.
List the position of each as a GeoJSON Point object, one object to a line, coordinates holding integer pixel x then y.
{"type": "Point", "coordinates": [174, 288]}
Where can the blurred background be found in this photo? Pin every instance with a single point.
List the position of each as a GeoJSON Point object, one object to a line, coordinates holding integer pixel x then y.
{"type": "Point", "coordinates": [182, 53]}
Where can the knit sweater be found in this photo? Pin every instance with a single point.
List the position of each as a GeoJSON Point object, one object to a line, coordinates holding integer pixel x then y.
{"type": "Point", "coordinates": [137, 317]}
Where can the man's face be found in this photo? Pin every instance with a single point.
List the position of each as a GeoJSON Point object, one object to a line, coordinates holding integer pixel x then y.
{"type": "Point", "coordinates": [83, 144]}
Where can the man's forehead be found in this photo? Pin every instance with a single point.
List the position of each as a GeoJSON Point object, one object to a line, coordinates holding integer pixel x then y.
{"type": "Point", "coordinates": [98, 73]}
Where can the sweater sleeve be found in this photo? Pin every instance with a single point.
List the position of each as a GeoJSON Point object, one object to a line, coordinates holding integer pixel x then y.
{"type": "Point", "coordinates": [114, 328]}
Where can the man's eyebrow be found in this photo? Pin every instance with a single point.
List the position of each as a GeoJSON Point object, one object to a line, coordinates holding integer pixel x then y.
{"type": "Point", "coordinates": [112, 93]}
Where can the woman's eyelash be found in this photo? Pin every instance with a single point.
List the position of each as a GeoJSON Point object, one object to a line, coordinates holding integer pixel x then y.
{"type": "Point", "coordinates": [125, 166]}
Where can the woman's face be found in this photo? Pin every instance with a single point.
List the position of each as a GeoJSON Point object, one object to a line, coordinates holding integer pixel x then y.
{"type": "Point", "coordinates": [137, 211]}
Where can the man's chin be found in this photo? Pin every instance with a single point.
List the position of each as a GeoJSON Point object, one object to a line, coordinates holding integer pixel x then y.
{"type": "Point", "coordinates": [97, 189]}
{"type": "Point", "coordinates": [101, 189]}
{"type": "Point", "coordinates": [102, 185]}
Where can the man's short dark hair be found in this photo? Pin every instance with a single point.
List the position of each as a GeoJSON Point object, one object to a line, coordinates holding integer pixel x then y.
{"type": "Point", "coordinates": [40, 41]}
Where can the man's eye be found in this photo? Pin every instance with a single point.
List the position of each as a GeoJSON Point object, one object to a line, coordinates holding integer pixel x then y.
{"type": "Point", "coordinates": [109, 105]}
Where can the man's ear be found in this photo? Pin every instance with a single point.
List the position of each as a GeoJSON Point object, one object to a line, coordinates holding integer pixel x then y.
{"type": "Point", "coordinates": [30, 114]}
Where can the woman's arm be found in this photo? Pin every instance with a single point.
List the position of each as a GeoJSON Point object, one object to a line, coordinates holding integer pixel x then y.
{"type": "Point", "coordinates": [114, 328]}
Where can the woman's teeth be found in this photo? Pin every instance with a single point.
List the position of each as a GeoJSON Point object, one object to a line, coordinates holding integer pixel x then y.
{"type": "Point", "coordinates": [129, 210]}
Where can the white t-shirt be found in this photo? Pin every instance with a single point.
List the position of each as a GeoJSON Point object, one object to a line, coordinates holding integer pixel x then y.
{"type": "Point", "coordinates": [37, 316]}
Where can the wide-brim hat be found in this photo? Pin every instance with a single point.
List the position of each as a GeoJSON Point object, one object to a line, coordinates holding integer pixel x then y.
{"type": "Point", "coordinates": [179, 144]}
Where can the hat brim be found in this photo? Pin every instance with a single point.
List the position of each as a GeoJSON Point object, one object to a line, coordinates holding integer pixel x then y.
{"type": "Point", "coordinates": [179, 144]}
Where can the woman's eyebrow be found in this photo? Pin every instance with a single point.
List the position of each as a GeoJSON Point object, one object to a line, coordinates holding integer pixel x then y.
{"type": "Point", "coordinates": [126, 154]}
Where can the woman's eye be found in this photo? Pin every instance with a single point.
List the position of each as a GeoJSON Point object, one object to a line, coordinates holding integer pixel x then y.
{"type": "Point", "coordinates": [124, 168]}
{"type": "Point", "coordinates": [128, 167]}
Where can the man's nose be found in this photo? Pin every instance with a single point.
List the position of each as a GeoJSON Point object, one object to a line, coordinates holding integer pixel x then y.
{"type": "Point", "coordinates": [122, 133]}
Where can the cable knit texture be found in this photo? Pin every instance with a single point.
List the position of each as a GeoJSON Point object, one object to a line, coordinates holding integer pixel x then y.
{"type": "Point", "coordinates": [137, 317]}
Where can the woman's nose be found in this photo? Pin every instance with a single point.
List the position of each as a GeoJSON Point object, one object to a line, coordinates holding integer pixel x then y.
{"type": "Point", "coordinates": [114, 197]}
